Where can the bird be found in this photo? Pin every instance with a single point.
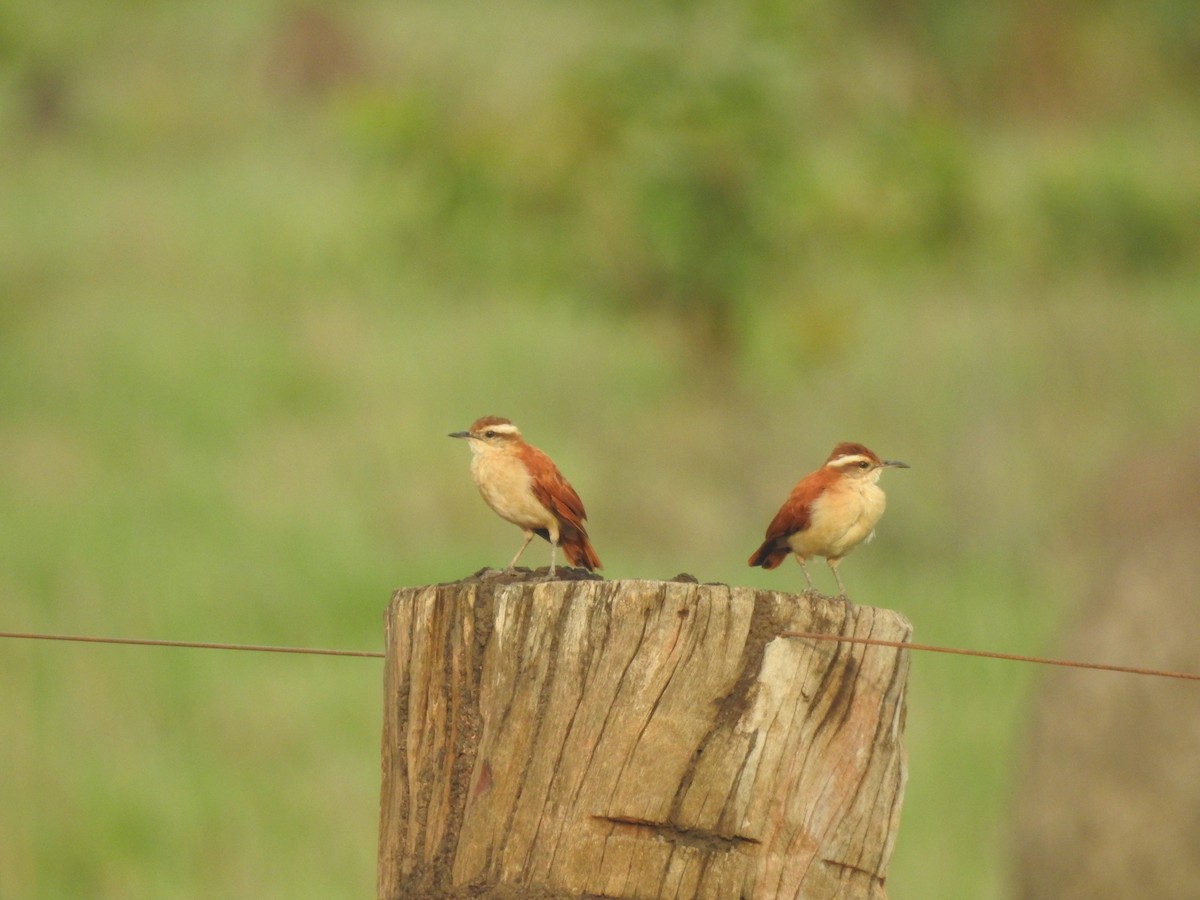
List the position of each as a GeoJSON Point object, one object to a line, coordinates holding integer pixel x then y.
{"type": "Point", "coordinates": [523, 486]}
{"type": "Point", "coordinates": [829, 512]}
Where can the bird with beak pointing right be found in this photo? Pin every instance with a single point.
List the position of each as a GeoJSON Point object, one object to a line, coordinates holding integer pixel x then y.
{"type": "Point", "coordinates": [829, 512]}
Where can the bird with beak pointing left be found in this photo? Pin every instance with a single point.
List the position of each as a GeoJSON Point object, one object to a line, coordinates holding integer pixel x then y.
{"type": "Point", "coordinates": [523, 486]}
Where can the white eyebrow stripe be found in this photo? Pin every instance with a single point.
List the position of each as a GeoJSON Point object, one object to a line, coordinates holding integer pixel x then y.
{"type": "Point", "coordinates": [847, 460]}
{"type": "Point", "coordinates": [508, 428]}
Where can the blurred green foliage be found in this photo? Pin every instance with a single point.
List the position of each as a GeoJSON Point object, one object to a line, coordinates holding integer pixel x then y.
{"type": "Point", "coordinates": [257, 259]}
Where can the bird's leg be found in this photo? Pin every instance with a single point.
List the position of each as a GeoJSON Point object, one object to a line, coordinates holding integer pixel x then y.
{"type": "Point", "coordinates": [833, 567]}
{"type": "Point", "coordinates": [804, 567]}
{"type": "Point", "coordinates": [553, 550]}
{"type": "Point", "coordinates": [528, 537]}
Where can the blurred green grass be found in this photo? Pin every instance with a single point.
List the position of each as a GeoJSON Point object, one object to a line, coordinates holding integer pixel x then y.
{"type": "Point", "coordinates": [256, 261]}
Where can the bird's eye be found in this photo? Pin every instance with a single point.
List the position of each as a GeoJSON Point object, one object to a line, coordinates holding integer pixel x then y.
{"type": "Point", "coordinates": [489, 434]}
{"type": "Point", "coordinates": [864, 464]}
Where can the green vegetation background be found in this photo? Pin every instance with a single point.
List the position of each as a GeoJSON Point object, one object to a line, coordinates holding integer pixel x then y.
{"type": "Point", "coordinates": [257, 259]}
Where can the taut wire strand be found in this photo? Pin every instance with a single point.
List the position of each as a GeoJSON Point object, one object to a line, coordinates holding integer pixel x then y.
{"type": "Point", "coordinates": [802, 635]}
{"type": "Point", "coordinates": [991, 654]}
{"type": "Point", "coordinates": [196, 645]}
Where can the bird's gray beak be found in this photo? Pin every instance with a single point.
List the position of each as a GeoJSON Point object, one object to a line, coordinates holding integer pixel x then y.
{"type": "Point", "coordinates": [460, 434]}
{"type": "Point", "coordinates": [895, 464]}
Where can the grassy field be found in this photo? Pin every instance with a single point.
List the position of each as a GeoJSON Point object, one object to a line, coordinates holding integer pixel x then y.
{"type": "Point", "coordinates": [256, 261]}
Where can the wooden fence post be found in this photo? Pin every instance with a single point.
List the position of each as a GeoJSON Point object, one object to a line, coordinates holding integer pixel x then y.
{"type": "Point", "coordinates": [637, 739]}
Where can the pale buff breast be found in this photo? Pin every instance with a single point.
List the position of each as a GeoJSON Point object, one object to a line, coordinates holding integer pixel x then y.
{"type": "Point", "coordinates": [507, 488]}
{"type": "Point", "coordinates": [840, 522]}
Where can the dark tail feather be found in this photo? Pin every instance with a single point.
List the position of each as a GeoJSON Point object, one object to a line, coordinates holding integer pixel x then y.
{"type": "Point", "coordinates": [770, 554]}
{"type": "Point", "coordinates": [579, 550]}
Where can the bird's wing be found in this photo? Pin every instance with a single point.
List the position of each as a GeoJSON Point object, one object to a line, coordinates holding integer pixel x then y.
{"type": "Point", "coordinates": [796, 513]}
{"type": "Point", "coordinates": [553, 491]}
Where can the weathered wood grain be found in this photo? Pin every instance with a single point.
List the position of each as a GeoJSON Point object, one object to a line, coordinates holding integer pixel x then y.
{"type": "Point", "coordinates": [637, 739]}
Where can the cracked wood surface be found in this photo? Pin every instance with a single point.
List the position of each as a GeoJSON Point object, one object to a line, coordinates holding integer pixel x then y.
{"type": "Point", "coordinates": [637, 739]}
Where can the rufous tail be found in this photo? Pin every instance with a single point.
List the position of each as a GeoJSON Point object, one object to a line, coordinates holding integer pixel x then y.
{"type": "Point", "coordinates": [579, 550]}
{"type": "Point", "coordinates": [769, 555]}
